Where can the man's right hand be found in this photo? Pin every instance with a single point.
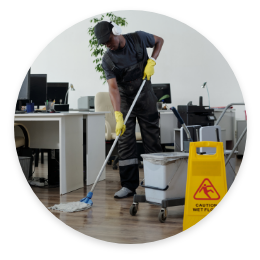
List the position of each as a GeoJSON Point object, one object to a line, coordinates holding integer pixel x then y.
{"type": "Point", "coordinates": [120, 126]}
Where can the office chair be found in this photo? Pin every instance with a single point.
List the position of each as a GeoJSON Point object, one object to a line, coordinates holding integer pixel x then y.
{"type": "Point", "coordinates": [22, 143]}
{"type": "Point", "coordinates": [22, 140]}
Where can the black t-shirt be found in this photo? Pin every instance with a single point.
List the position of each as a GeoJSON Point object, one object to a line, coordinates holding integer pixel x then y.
{"type": "Point", "coordinates": [126, 56]}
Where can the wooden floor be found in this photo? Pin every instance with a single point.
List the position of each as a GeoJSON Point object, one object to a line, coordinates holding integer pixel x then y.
{"type": "Point", "coordinates": [109, 218]}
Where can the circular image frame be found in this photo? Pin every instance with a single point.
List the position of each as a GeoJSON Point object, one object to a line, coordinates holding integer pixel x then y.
{"type": "Point", "coordinates": [157, 245]}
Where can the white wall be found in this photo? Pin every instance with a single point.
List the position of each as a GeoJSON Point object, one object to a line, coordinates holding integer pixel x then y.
{"type": "Point", "coordinates": [186, 61]}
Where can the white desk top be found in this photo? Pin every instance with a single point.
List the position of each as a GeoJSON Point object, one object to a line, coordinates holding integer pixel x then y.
{"type": "Point", "coordinates": [61, 114]}
{"type": "Point", "coordinates": [221, 110]}
{"type": "Point", "coordinates": [165, 111]}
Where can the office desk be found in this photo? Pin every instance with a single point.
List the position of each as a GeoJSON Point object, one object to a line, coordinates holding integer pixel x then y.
{"type": "Point", "coordinates": [64, 131]}
{"type": "Point", "coordinates": [168, 122]}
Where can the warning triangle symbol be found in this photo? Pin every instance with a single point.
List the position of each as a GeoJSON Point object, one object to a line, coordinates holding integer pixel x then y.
{"type": "Point", "coordinates": [206, 191]}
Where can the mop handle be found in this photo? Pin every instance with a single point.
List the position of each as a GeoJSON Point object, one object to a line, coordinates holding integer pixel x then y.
{"type": "Point", "coordinates": [114, 143]}
{"type": "Point", "coordinates": [176, 113]}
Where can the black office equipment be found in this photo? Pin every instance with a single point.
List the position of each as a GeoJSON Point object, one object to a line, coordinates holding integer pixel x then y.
{"type": "Point", "coordinates": [201, 101]}
{"type": "Point", "coordinates": [57, 91]}
{"type": "Point", "coordinates": [24, 93]}
{"type": "Point", "coordinates": [196, 115]}
{"type": "Point", "coordinates": [38, 89]}
{"type": "Point", "coordinates": [40, 111]}
{"type": "Point", "coordinates": [161, 90]}
{"type": "Point", "coordinates": [61, 107]}
{"type": "Point", "coordinates": [53, 167]}
{"type": "Point", "coordinates": [18, 111]}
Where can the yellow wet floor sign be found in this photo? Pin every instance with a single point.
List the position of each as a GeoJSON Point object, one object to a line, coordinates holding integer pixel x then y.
{"type": "Point", "coordinates": [206, 182]}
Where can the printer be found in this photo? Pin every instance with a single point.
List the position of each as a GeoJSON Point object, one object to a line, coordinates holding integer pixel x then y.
{"type": "Point", "coordinates": [196, 115]}
{"type": "Point", "coordinates": [86, 103]}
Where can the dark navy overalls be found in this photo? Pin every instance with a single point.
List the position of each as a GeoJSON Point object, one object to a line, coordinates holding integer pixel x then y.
{"type": "Point", "coordinates": [129, 81]}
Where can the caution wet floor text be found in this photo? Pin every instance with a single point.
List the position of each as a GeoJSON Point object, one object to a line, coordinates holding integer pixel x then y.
{"type": "Point", "coordinates": [206, 182]}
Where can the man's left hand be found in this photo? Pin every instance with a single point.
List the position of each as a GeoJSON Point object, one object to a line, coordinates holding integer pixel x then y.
{"type": "Point", "coordinates": [149, 69]}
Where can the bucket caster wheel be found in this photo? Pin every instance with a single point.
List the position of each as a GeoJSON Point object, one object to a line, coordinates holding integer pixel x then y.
{"type": "Point", "coordinates": [133, 209]}
{"type": "Point", "coordinates": [162, 215]}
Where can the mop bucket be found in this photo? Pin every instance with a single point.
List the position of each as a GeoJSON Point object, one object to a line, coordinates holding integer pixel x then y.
{"type": "Point", "coordinates": [165, 176]}
{"type": "Point", "coordinates": [206, 182]}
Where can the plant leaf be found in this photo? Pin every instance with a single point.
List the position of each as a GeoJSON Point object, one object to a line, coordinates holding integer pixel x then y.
{"type": "Point", "coordinates": [164, 97]}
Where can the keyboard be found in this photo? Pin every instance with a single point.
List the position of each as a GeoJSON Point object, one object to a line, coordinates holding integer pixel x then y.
{"type": "Point", "coordinates": [40, 111]}
{"type": "Point", "coordinates": [20, 112]}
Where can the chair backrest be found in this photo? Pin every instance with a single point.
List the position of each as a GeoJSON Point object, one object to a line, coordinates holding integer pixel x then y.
{"type": "Point", "coordinates": [103, 103]}
{"type": "Point", "coordinates": [22, 136]}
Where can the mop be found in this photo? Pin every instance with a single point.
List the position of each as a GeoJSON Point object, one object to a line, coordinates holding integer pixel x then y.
{"type": "Point", "coordinates": [86, 202]}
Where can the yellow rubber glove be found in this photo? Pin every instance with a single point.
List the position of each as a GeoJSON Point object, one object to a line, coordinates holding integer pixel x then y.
{"type": "Point", "coordinates": [149, 69]}
{"type": "Point", "coordinates": [119, 123]}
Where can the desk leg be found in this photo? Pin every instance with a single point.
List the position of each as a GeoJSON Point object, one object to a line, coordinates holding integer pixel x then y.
{"type": "Point", "coordinates": [95, 147]}
{"type": "Point", "coordinates": [71, 156]}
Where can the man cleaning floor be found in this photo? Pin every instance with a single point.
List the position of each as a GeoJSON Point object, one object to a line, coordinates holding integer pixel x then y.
{"type": "Point", "coordinates": [126, 64]}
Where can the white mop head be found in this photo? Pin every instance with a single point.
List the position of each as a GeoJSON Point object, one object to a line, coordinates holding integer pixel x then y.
{"type": "Point", "coordinates": [71, 206]}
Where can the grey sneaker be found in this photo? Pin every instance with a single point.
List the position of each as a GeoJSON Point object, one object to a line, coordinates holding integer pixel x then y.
{"type": "Point", "coordinates": [123, 193]}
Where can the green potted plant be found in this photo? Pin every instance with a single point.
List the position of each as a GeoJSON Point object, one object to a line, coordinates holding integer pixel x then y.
{"type": "Point", "coordinates": [160, 102]}
{"type": "Point", "coordinates": [99, 50]}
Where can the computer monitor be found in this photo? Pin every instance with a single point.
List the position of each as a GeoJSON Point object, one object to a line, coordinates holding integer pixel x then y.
{"type": "Point", "coordinates": [57, 91]}
{"type": "Point", "coordinates": [161, 90]}
{"type": "Point", "coordinates": [38, 89]}
{"type": "Point", "coordinates": [24, 93]}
